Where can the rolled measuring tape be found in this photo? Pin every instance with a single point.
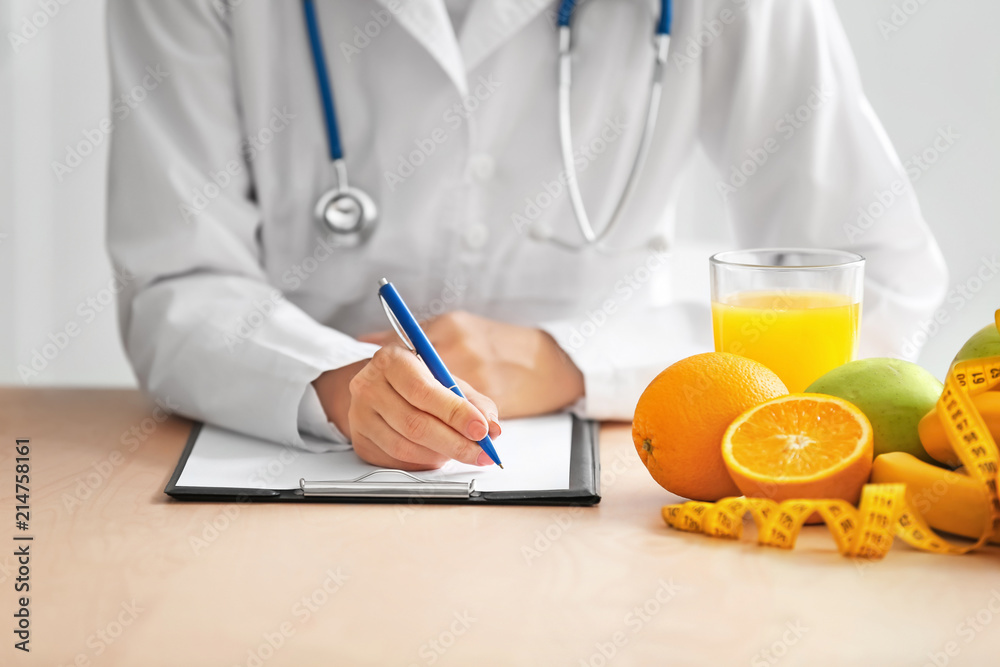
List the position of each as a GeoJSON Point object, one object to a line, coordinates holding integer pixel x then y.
{"type": "Point", "coordinates": [868, 530]}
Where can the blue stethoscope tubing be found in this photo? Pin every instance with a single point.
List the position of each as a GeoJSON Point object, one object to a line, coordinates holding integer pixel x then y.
{"type": "Point", "coordinates": [566, 8]}
{"type": "Point", "coordinates": [323, 78]}
{"type": "Point", "coordinates": [351, 214]}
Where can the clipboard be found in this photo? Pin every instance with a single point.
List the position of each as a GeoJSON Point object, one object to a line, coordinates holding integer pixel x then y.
{"type": "Point", "coordinates": [396, 486]}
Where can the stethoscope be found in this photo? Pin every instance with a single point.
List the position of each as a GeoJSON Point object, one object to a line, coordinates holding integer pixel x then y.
{"type": "Point", "coordinates": [350, 214]}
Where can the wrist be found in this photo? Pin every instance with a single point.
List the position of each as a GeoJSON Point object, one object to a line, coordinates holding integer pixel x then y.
{"type": "Point", "coordinates": [571, 387]}
{"type": "Point", "coordinates": [334, 390]}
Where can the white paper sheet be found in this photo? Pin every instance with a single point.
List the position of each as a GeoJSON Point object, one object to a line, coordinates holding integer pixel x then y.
{"type": "Point", "coordinates": [535, 454]}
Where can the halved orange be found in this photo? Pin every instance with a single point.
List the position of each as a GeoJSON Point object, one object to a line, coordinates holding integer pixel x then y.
{"type": "Point", "coordinates": [800, 446]}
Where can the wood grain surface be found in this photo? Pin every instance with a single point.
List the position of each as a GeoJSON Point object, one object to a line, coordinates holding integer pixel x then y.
{"type": "Point", "coordinates": [123, 575]}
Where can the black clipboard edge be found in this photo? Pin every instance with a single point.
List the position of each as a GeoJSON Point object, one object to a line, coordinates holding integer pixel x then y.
{"type": "Point", "coordinates": [585, 482]}
{"type": "Point", "coordinates": [584, 475]}
{"type": "Point", "coordinates": [207, 493]}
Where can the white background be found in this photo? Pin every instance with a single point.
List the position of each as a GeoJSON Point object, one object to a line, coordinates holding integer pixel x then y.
{"type": "Point", "coordinates": [940, 69]}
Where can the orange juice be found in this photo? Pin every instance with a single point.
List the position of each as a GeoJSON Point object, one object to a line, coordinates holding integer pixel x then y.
{"type": "Point", "coordinates": [797, 334]}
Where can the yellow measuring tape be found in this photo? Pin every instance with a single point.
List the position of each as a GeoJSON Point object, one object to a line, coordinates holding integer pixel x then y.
{"type": "Point", "coordinates": [867, 531]}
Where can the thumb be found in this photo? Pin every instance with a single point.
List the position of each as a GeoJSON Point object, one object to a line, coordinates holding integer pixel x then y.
{"type": "Point", "coordinates": [484, 405]}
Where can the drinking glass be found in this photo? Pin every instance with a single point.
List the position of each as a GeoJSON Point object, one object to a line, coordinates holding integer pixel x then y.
{"type": "Point", "coordinates": [795, 310]}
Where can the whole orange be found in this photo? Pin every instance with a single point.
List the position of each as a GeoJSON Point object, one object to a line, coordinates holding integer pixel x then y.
{"type": "Point", "coordinates": [683, 413]}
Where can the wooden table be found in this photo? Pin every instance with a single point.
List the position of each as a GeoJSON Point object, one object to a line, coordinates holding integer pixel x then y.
{"type": "Point", "coordinates": [123, 575]}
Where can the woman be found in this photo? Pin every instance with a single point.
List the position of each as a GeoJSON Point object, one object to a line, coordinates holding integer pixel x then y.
{"type": "Point", "coordinates": [246, 313]}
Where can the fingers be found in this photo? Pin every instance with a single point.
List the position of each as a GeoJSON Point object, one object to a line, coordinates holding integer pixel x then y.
{"type": "Point", "coordinates": [379, 444]}
{"type": "Point", "coordinates": [401, 414]}
{"type": "Point", "coordinates": [411, 380]}
{"type": "Point", "coordinates": [424, 429]}
{"type": "Point", "coordinates": [485, 405]}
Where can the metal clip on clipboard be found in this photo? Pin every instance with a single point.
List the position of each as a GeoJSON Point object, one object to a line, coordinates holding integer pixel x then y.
{"type": "Point", "coordinates": [415, 488]}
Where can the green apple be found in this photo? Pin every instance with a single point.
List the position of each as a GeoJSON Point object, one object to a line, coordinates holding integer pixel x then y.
{"type": "Point", "coordinates": [893, 394]}
{"type": "Point", "coordinates": [984, 343]}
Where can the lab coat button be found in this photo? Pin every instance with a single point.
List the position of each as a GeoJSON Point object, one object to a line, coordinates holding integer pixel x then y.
{"type": "Point", "coordinates": [482, 167]}
{"type": "Point", "coordinates": [659, 244]}
{"type": "Point", "coordinates": [476, 236]}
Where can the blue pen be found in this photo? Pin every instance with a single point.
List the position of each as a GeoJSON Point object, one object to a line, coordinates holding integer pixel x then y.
{"type": "Point", "coordinates": [406, 326]}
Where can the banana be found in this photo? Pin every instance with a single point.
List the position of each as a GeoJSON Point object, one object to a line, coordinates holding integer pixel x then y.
{"type": "Point", "coordinates": [948, 501]}
{"type": "Point", "coordinates": [934, 440]}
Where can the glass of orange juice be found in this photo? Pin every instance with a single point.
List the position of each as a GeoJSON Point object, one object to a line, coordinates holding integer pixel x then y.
{"type": "Point", "coordinates": [795, 310]}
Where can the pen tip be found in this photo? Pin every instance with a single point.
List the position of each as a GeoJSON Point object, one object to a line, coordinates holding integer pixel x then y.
{"type": "Point", "coordinates": [501, 466]}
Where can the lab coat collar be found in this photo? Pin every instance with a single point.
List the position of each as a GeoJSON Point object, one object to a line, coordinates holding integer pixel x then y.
{"type": "Point", "coordinates": [427, 21]}
{"type": "Point", "coordinates": [490, 23]}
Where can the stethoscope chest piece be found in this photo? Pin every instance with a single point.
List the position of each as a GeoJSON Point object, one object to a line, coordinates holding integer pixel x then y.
{"type": "Point", "coordinates": [349, 214]}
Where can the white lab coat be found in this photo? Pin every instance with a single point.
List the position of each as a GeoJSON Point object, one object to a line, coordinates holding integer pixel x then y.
{"type": "Point", "coordinates": [236, 302]}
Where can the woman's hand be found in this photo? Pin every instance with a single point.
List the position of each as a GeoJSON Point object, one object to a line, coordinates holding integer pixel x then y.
{"type": "Point", "coordinates": [398, 416]}
{"type": "Point", "coordinates": [520, 368]}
